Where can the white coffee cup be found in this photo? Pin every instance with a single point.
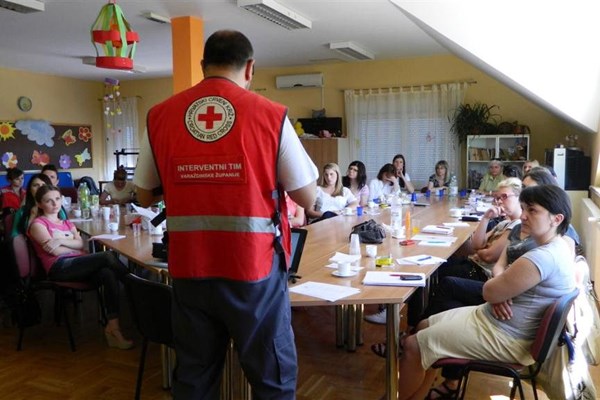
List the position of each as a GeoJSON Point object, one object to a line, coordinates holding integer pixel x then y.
{"type": "Point", "coordinates": [106, 213]}
{"type": "Point", "coordinates": [113, 226]}
{"type": "Point", "coordinates": [77, 212]}
{"type": "Point", "coordinates": [371, 250]}
{"type": "Point", "coordinates": [455, 212]}
{"type": "Point", "coordinates": [347, 211]}
{"type": "Point", "coordinates": [344, 269]}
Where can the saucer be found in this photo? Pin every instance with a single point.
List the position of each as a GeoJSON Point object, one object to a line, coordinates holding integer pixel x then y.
{"type": "Point", "coordinates": [352, 273]}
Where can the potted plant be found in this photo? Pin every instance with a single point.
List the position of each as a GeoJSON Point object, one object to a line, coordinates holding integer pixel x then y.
{"type": "Point", "coordinates": [476, 119]}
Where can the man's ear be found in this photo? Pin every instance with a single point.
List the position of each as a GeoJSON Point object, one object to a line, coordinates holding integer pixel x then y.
{"type": "Point", "coordinates": [249, 71]}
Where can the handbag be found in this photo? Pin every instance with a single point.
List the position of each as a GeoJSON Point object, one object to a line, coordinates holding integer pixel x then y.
{"type": "Point", "coordinates": [586, 315]}
{"type": "Point", "coordinates": [564, 375]}
{"type": "Point", "coordinates": [369, 232]}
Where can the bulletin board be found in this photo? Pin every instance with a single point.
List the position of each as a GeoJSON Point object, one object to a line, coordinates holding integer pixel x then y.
{"type": "Point", "coordinates": [31, 144]}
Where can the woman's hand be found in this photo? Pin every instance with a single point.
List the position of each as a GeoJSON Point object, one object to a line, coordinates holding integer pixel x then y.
{"type": "Point", "coordinates": [502, 311]}
{"type": "Point", "coordinates": [493, 212]}
{"type": "Point", "coordinates": [51, 244]}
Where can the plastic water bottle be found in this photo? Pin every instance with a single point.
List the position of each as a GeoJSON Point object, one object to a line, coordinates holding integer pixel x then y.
{"type": "Point", "coordinates": [396, 222]}
{"type": "Point", "coordinates": [453, 188]}
{"type": "Point", "coordinates": [83, 196]}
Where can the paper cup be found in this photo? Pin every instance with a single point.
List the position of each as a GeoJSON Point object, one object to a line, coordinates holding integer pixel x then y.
{"type": "Point", "coordinates": [344, 268]}
{"type": "Point", "coordinates": [113, 226]}
{"type": "Point", "coordinates": [371, 250]}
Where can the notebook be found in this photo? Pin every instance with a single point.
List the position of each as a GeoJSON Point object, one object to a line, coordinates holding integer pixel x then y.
{"type": "Point", "coordinates": [298, 240]}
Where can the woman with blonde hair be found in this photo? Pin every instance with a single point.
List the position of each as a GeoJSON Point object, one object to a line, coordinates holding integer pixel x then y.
{"type": "Point", "coordinates": [441, 178]}
{"type": "Point", "coordinates": [332, 196]}
{"type": "Point", "coordinates": [527, 165]}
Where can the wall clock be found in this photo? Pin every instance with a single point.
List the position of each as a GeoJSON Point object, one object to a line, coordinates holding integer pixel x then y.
{"type": "Point", "coordinates": [24, 103]}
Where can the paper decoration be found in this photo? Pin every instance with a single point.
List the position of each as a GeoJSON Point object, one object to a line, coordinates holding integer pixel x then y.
{"type": "Point", "coordinates": [40, 158]}
{"type": "Point", "coordinates": [65, 161]}
{"type": "Point", "coordinates": [37, 131]}
{"type": "Point", "coordinates": [85, 134]}
{"type": "Point", "coordinates": [83, 157]}
{"type": "Point", "coordinates": [68, 137]}
{"type": "Point", "coordinates": [6, 131]}
{"type": "Point", "coordinates": [9, 160]}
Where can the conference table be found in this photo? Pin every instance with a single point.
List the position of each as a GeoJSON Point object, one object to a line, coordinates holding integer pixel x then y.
{"type": "Point", "coordinates": [323, 240]}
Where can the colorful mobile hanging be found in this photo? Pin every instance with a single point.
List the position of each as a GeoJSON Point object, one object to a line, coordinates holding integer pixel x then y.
{"type": "Point", "coordinates": [111, 101]}
{"type": "Point", "coordinates": [112, 31]}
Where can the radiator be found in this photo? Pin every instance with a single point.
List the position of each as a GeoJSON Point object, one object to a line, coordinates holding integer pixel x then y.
{"type": "Point", "coordinates": [590, 236]}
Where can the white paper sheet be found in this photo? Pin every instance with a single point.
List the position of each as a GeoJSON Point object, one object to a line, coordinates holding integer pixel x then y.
{"type": "Point", "coordinates": [450, 239]}
{"type": "Point", "coordinates": [421, 259]}
{"type": "Point", "coordinates": [435, 243]}
{"type": "Point", "coordinates": [324, 291]}
{"type": "Point", "coordinates": [380, 278]}
{"type": "Point", "coordinates": [456, 224]}
{"type": "Point", "coordinates": [109, 236]}
{"type": "Point", "coordinates": [436, 229]}
{"type": "Point", "coordinates": [144, 212]}
{"type": "Point", "coordinates": [342, 257]}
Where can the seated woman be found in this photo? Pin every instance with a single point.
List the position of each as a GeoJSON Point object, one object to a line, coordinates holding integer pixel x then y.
{"type": "Point", "coordinates": [490, 180]}
{"type": "Point", "coordinates": [403, 178]}
{"type": "Point", "coordinates": [51, 172]}
{"type": "Point", "coordinates": [504, 327]}
{"type": "Point", "coordinates": [29, 211]}
{"type": "Point", "coordinates": [332, 197]}
{"type": "Point", "coordinates": [119, 191]}
{"type": "Point", "coordinates": [13, 194]}
{"type": "Point", "coordinates": [385, 184]}
{"type": "Point", "coordinates": [296, 214]}
{"type": "Point", "coordinates": [59, 247]}
{"type": "Point", "coordinates": [441, 178]}
{"type": "Point", "coordinates": [356, 181]}
{"type": "Point", "coordinates": [485, 247]}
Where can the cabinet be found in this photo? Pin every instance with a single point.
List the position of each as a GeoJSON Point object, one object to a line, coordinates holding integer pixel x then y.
{"type": "Point", "coordinates": [327, 150]}
{"type": "Point", "coordinates": [510, 149]}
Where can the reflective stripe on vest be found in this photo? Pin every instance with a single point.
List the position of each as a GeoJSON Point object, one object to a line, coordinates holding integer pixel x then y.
{"type": "Point", "coordinates": [191, 223]}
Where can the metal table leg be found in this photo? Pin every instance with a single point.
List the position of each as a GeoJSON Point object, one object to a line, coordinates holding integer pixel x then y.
{"type": "Point", "coordinates": [392, 333]}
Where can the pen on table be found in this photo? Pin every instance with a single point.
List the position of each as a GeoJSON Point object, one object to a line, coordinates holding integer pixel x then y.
{"type": "Point", "coordinates": [424, 258]}
{"type": "Point", "coordinates": [435, 241]}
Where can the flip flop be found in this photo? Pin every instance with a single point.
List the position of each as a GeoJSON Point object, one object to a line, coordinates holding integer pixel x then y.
{"type": "Point", "coordinates": [447, 394]}
{"type": "Point", "coordinates": [380, 349]}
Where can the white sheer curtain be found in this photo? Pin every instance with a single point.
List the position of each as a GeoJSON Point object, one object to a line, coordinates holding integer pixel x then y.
{"type": "Point", "coordinates": [121, 132]}
{"type": "Point", "coordinates": [413, 122]}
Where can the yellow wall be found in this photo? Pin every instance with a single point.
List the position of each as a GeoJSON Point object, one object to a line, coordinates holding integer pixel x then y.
{"type": "Point", "coordinates": [57, 100]}
{"type": "Point", "coordinates": [74, 101]}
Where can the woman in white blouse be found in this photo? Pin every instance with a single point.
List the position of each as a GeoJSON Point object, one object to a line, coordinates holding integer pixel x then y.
{"type": "Point", "coordinates": [332, 197]}
{"type": "Point", "coordinates": [385, 184]}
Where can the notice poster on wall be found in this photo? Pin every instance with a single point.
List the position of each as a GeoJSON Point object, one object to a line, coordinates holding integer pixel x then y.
{"type": "Point", "coordinates": [31, 144]}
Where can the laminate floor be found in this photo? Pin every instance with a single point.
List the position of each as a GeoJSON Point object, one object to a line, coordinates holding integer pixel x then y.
{"type": "Point", "coordinates": [47, 369]}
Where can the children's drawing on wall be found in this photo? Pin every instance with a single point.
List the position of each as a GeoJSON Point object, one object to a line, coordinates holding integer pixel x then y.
{"type": "Point", "coordinates": [31, 144]}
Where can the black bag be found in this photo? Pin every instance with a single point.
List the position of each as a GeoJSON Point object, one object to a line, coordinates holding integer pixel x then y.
{"type": "Point", "coordinates": [369, 232]}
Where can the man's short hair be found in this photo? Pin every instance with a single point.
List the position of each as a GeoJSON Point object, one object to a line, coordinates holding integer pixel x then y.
{"type": "Point", "coordinates": [227, 48]}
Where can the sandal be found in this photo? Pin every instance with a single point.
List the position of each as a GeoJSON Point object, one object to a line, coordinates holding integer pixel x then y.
{"type": "Point", "coordinates": [446, 394]}
{"type": "Point", "coordinates": [380, 349]}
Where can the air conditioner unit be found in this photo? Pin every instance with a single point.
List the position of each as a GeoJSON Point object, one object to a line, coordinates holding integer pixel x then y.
{"type": "Point", "coordinates": [298, 81]}
{"type": "Point", "coordinates": [23, 6]}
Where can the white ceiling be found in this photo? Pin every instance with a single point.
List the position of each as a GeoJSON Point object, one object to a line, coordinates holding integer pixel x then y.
{"type": "Point", "coordinates": [54, 41]}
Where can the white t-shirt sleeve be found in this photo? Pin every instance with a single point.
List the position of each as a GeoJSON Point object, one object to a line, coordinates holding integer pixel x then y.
{"type": "Point", "coordinates": [296, 169]}
{"type": "Point", "coordinates": [406, 177]}
{"type": "Point", "coordinates": [348, 195]}
{"type": "Point", "coordinates": [375, 189]}
{"type": "Point", "coordinates": [146, 175]}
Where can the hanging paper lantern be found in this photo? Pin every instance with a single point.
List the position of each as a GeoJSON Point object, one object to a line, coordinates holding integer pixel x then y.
{"type": "Point", "coordinates": [114, 35]}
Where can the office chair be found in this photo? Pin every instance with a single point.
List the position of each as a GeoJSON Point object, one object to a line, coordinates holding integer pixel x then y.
{"type": "Point", "coordinates": [151, 311]}
{"type": "Point", "coordinates": [32, 279]}
{"type": "Point", "coordinates": [546, 339]}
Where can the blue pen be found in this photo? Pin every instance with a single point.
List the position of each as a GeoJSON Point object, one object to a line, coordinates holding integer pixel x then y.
{"type": "Point", "coordinates": [435, 241]}
{"type": "Point", "coordinates": [424, 258]}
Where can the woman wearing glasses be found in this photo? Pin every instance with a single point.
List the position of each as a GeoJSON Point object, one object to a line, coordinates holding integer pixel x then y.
{"type": "Point", "coordinates": [485, 247]}
{"type": "Point", "coordinates": [119, 191]}
{"type": "Point", "coordinates": [356, 181]}
{"type": "Point", "coordinates": [532, 283]}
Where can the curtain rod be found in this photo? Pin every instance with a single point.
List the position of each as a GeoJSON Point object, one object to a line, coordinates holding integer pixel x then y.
{"type": "Point", "coordinates": [426, 86]}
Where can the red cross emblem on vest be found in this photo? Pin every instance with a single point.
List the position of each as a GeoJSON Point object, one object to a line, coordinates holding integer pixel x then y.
{"type": "Point", "coordinates": [210, 117]}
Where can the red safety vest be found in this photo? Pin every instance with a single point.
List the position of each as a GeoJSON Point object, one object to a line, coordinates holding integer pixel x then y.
{"type": "Point", "coordinates": [216, 148]}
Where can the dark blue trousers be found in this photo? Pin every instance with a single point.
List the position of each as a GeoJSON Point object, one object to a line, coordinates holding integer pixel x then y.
{"type": "Point", "coordinates": [256, 315]}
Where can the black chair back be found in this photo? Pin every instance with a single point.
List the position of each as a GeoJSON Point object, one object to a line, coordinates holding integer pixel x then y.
{"type": "Point", "coordinates": [555, 318]}
{"type": "Point", "coordinates": [151, 308]}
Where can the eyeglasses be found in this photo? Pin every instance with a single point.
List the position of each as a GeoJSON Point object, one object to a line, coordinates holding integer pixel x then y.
{"type": "Point", "coordinates": [502, 197]}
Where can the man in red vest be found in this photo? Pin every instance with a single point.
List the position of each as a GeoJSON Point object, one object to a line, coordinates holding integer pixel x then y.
{"type": "Point", "coordinates": [223, 157]}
